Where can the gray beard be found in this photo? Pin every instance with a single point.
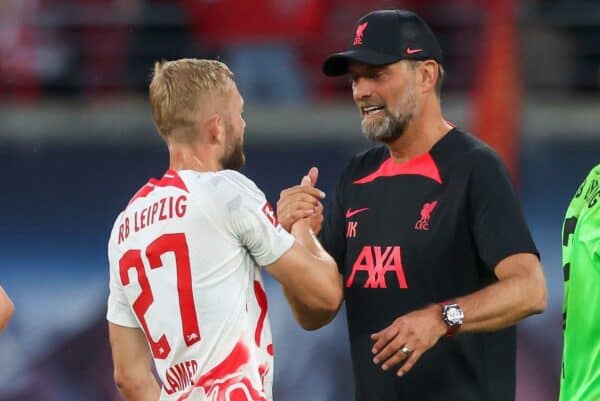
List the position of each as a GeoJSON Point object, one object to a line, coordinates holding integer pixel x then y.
{"type": "Point", "coordinates": [388, 129]}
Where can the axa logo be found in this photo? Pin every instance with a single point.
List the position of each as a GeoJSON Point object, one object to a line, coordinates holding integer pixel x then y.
{"type": "Point", "coordinates": [360, 31]}
{"type": "Point", "coordinates": [378, 264]}
{"type": "Point", "coordinates": [423, 223]}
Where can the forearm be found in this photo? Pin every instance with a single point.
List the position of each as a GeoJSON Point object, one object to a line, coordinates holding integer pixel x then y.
{"type": "Point", "coordinates": [503, 303]}
{"type": "Point", "coordinates": [132, 364]}
{"type": "Point", "coordinates": [305, 237]}
{"type": "Point", "coordinates": [317, 280]}
{"type": "Point", "coordinates": [139, 389]}
{"type": "Point", "coordinates": [310, 278]}
{"type": "Point", "coordinates": [309, 319]}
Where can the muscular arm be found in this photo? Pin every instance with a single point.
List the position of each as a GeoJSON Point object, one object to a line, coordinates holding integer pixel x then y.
{"type": "Point", "coordinates": [132, 363]}
{"type": "Point", "coordinates": [310, 279]}
{"type": "Point", "coordinates": [519, 292]}
{"type": "Point", "coordinates": [6, 309]}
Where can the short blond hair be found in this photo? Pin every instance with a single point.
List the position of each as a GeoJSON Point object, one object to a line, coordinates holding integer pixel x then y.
{"type": "Point", "coordinates": [180, 87]}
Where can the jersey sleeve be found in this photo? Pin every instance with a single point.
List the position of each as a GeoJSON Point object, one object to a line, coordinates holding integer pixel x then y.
{"type": "Point", "coordinates": [118, 311]}
{"type": "Point", "coordinates": [496, 218]}
{"type": "Point", "coordinates": [253, 221]}
{"type": "Point", "coordinates": [332, 233]}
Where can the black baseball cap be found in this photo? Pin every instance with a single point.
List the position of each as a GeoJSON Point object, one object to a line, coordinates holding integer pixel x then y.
{"type": "Point", "coordinates": [384, 37]}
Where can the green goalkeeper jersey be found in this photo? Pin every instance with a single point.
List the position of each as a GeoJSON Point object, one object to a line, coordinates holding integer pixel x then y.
{"type": "Point", "coordinates": [580, 377]}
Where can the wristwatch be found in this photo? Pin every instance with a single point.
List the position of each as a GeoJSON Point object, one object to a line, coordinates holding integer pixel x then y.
{"type": "Point", "coordinates": [453, 316]}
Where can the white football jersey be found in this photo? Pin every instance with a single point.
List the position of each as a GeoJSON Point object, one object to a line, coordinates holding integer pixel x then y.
{"type": "Point", "coordinates": [184, 267]}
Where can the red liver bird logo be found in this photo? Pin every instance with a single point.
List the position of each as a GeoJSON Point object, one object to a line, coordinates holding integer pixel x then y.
{"type": "Point", "coordinates": [426, 210]}
{"type": "Point", "coordinates": [360, 30]}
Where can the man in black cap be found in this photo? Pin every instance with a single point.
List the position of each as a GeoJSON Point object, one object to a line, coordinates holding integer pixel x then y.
{"type": "Point", "coordinates": [436, 259]}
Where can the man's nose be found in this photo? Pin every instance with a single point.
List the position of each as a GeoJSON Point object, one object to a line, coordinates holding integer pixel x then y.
{"type": "Point", "coordinates": [361, 88]}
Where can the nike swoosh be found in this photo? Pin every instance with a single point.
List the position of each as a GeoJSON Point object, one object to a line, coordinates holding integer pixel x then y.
{"type": "Point", "coordinates": [413, 51]}
{"type": "Point", "coordinates": [350, 212]}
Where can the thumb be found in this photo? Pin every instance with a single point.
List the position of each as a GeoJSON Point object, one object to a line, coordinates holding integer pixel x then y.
{"type": "Point", "coordinates": [310, 179]}
{"type": "Point", "coordinates": [313, 174]}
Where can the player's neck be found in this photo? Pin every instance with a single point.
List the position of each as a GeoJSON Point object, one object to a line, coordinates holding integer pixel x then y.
{"type": "Point", "coordinates": [185, 157]}
{"type": "Point", "coordinates": [426, 128]}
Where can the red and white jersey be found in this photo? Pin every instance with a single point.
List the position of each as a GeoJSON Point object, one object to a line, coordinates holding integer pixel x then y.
{"type": "Point", "coordinates": [185, 259]}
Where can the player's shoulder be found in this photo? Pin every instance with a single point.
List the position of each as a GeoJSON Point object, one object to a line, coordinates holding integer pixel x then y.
{"type": "Point", "coordinates": [460, 146]}
{"type": "Point", "coordinates": [588, 194]}
{"type": "Point", "coordinates": [473, 154]}
{"type": "Point", "coordinates": [594, 174]}
{"type": "Point", "coordinates": [221, 185]}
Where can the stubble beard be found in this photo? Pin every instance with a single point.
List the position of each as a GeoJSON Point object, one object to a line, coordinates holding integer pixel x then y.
{"type": "Point", "coordinates": [234, 157]}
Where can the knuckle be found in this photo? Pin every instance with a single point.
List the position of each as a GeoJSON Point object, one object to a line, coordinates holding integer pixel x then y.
{"type": "Point", "coordinates": [309, 198]}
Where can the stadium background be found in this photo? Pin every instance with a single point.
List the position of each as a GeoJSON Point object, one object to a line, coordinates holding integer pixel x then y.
{"type": "Point", "coordinates": [76, 140]}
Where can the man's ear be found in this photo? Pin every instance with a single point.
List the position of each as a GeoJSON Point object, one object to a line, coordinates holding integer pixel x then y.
{"type": "Point", "coordinates": [214, 126]}
{"type": "Point", "coordinates": [428, 75]}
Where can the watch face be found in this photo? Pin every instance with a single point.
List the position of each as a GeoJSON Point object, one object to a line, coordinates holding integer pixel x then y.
{"type": "Point", "coordinates": [453, 315]}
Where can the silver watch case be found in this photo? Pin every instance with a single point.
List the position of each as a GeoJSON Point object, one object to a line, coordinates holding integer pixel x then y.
{"type": "Point", "coordinates": [453, 315]}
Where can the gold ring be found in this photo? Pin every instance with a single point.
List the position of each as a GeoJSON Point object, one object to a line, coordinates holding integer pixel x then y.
{"type": "Point", "coordinates": [405, 350]}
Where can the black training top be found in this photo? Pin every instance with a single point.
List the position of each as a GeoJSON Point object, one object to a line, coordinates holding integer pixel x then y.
{"type": "Point", "coordinates": [411, 234]}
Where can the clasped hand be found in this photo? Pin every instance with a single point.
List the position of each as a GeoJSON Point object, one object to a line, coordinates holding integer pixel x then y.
{"type": "Point", "coordinates": [302, 202]}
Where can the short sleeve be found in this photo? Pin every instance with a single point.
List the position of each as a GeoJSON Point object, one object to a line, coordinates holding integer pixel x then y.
{"type": "Point", "coordinates": [589, 231]}
{"type": "Point", "coordinates": [496, 218]}
{"type": "Point", "coordinates": [332, 234]}
{"type": "Point", "coordinates": [119, 311]}
{"type": "Point", "coordinates": [254, 222]}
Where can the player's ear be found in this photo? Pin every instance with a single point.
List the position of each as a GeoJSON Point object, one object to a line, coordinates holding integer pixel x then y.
{"type": "Point", "coordinates": [427, 75]}
{"type": "Point", "coordinates": [214, 126]}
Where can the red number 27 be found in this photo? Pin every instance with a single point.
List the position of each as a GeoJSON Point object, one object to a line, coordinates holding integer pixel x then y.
{"type": "Point", "coordinates": [132, 259]}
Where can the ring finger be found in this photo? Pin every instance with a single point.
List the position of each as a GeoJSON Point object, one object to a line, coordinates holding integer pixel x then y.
{"type": "Point", "coordinates": [400, 355]}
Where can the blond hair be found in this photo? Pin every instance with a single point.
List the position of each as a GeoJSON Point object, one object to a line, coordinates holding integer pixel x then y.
{"type": "Point", "coordinates": [179, 88]}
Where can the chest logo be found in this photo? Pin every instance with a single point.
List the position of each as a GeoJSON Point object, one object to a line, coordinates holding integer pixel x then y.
{"type": "Point", "coordinates": [375, 262]}
{"type": "Point", "coordinates": [423, 223]}
{"type": "Point", "coordinates": [350, 212]}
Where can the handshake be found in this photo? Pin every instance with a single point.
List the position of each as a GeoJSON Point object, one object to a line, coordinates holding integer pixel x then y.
{"type": "Point", "coordinates": [302, 203]}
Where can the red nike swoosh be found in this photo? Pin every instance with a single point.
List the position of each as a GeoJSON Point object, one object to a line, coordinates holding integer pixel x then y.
{"type": "Point", "coordinates": [413, 51]}
{"type": "Point", "coordinates": [350, 212]}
